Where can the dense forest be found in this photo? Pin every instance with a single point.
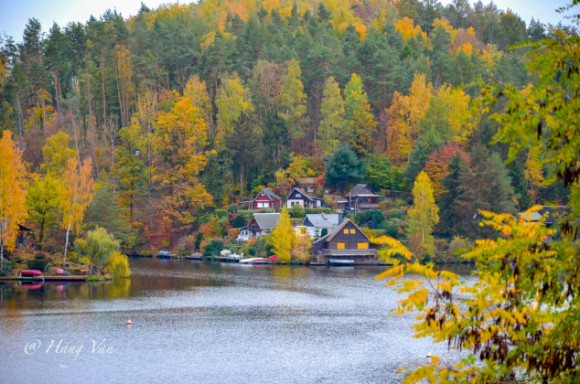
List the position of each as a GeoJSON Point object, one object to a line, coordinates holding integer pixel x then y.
{"type": "Point", "coordinates": [149, 125]}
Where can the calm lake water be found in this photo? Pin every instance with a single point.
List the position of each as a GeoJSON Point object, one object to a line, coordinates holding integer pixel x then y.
{"type": "Point", "coordinates": [209, 323]}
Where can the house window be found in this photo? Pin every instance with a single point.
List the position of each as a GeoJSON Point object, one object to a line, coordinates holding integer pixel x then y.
{"type": "Point", "coordinates": [363, 245]}
{"type": "Point", "coordinates": [352, 231]}
{"type": "Point", "coordinates": [340, 246]}
{"type": "Point", "coordinates": [346, 231]}
{"type": "Point", "coordinates": [298, 195]}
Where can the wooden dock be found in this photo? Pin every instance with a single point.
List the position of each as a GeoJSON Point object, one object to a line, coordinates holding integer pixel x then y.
{"type": "Point", "coordinates": [45, 278]}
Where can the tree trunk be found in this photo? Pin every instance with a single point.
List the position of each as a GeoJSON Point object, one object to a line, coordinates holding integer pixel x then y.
{"type": "Point", "coordinates": [2, 255]}
{"type": "Point", "coordinates": [43, 105]}
{"type": "Point", "coordinates": [149, 170]}
{"type": "Point", "coordinates": [66, 243]}
{"type": "Point", "coordinates": [121, 106]}
{"type": "Point", "coordinates": [20, 118]}
{"type": "Point", "coordinates": [103, 90]}
{"type": "Point", "coordinates": [58, 91]}
{"type": "Point", "coordinates": [241, 183]}
{"type": "Point", "coordinates": [41, 242]}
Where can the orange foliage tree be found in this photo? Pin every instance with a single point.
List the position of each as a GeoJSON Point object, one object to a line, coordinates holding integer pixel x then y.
{"type": "Point", "coordinates": [438, 163]}
{"type": "Point", "coordinates": [12, 193]}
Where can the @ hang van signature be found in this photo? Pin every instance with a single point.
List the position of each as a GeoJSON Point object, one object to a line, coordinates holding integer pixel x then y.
{"type": "Point", "coordinates": [67, 347]}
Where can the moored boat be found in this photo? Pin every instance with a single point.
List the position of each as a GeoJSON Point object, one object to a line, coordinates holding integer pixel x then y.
{"type": "Point", "coordinates": [30, 273]}
{"type": "Point", "coordinates": [255, 260]}
{"type": "Point", "coordinates": [340, 261]}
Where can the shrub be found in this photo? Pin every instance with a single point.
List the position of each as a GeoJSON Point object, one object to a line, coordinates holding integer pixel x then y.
{"type": "Point", "coordinates": [7, 266]}
{"type": "Point", "coordinates": [233, 208]}
{"type": "Point", "coordinates": [297, 211]}
{"type": "Point", "coordinates": [239, 222]}
{"type": "Point", "coordinates": [19, 260]}
{"type": "Point", "coordinates": [185, 246]}
{"type": "Point", "coordinates": [314, 211]}
{"type": "Point", "coordinates": [394, 214]}
{"type": "Point", "coordinates": [458, 246]}
{"type": "Point", "coordinates": [146, 253]}
{"type": "Point", "coordinates": [383, 205]}
{"type": "Point", "coordinates": [221, 213]}
{"type": "Point", "coordinates": [39, 256]}
{"type": "Point", "coordinates": [204, 219]}
{"type": "Point", "coordinates": [37, 264]}
{"type": "Point", "coordinates": [213, 247]}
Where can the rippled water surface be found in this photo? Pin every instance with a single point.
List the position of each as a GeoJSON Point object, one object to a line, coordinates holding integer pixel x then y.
{"type": "Point", "coordinates": [209, 323]}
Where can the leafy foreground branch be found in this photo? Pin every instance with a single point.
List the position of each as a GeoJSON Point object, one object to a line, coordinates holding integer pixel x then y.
{"type": "Point", "coordinates": [521, 318]}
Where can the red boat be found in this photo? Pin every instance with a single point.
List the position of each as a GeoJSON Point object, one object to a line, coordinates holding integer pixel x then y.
{"type": "Point", "coordinates": [30, 273]}
{"type": "Point", "coordinates": [255, 260]}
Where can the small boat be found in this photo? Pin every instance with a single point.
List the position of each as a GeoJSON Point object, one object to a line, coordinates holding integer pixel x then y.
{"type": "Point", "coordinates": [227, 255]}
{"type": "Point", "coordinates": [61, 272]}
{"type": "Point", "coordinates": [30, 273]}
{"type": "Point", "coordinates": [340, 261]}
{"type": "Point", "coordinates": [164, 255]}
{"type": "Point", "coordinates": [255, 260]}
{"type": "Point", "coordinates": [195, 256]}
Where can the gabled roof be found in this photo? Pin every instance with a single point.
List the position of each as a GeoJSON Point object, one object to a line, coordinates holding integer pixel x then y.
{"type": "Point", "coordinates": [339, 228]}
{"type": "Point", "coordinates": [359, 190]}
{"type": "Point", "coordinates": [266, 220]}
{"type": "Point", "coordinates": [323, 220]}
{"type": "Point", "coordinates": [553, 215]}
{"type": "Point", "coordinates": [304, 194]}
{"type": "Point", "coordinates": [268, 192]}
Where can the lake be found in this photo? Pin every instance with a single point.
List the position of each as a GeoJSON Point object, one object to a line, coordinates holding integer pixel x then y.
{"type": "Point", "coordinates": [196, 322]}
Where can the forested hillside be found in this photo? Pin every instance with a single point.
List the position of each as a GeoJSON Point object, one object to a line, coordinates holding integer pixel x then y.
{"type": "Point", "coordinates": [185, 109]}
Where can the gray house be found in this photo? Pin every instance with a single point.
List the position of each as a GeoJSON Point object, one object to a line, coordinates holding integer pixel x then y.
{"type": "Point", "coordinates": [315, 223]}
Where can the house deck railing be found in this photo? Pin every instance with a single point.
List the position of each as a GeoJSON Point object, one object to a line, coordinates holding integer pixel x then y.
{"type": "Point", "coordinates": [347, 252]}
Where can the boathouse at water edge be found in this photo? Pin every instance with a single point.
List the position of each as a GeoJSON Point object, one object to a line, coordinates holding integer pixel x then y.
{"type": "Point", "coordinates": [345, 242]}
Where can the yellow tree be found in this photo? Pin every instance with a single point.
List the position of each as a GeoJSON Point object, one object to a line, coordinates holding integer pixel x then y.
{"type": "Point", "coordinates": [460, 117]}
{"type": "Point", "coordinates": [360, 122]}
{"type": "Point", "coordinates": [76, 193]}
{"type": "Point", "coordinates": [180, 141]}
{"type": "Point", "coordinates": [56, 154]}
{"type": "Point", "coordinates": [12, 193]}
{"type": "Point", "coordinates": [232, 100]}
{"type": "Point", "coordinates": [196, 91]}
{"type": "Point", "coordinates": [283, 237]}
{"type": "Point", "coordinates": [424, 214]}
{"type": "Point", "coordinates": [331, 117]}
{"type": "Point", "coordinates": [406, 114]}
{"type": "Point", "coordinates": [292, 101]}
{"type": "Point", "coordinates": [303, 246]}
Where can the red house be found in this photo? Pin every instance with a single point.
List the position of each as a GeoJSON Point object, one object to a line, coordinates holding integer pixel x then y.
{"type": "Point", "coordinates": [266, 199]}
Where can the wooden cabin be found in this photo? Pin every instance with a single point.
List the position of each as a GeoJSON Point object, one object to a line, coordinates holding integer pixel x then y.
{"type": "Point", "coordinates": [362, 198]}
{"type": "Point", "coordinates": [346, 242]}
{"type": "Point", "coordinates": [298, 196]}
